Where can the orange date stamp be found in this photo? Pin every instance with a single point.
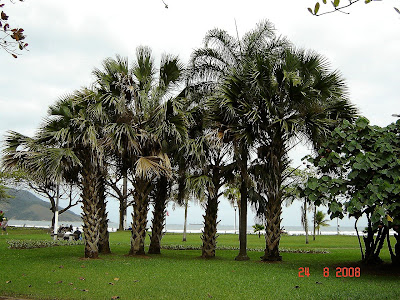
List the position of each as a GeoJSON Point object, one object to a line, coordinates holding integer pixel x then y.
{"type": "Point", "coordinates": [339, 272]}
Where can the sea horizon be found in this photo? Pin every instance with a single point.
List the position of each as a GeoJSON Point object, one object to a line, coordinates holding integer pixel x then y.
{"type": "Point", "coordinates": [197, 228]}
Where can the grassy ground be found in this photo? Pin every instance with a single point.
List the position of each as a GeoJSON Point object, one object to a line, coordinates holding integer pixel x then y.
{"type": "Point", "coordinates": [62, 273]}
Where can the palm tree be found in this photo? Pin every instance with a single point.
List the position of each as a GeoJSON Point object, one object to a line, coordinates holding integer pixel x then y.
{"type": "Point", "coordinates": [258, 228]}
{"type": "Point", "coordinates": [293, 191]}
{"type": "Point", "coordinates": [72, 122]}
{"type": "Point", "coordinates": [299, 99]}
{"type": "Point", "coordinates": [201, 168]}
{"type": "Point", "coordinates": [67, 147]}
{"type": "Point", "coordinates": [232, 194]}
{"type": "Point", "coordinates": [221, 55]}
{"type": "Point", "coordinates": [169, 125]}
{"type": "Point", "coordinates": [306, 207]}
{"type": "Point", "coordinates": [134, 98]}
{"type": "Point", "coordinates": [320, 220]}
{"type": "Point", "coordinates": [210, 173]}
{"type": "Point", "coordinates": [115, 100]}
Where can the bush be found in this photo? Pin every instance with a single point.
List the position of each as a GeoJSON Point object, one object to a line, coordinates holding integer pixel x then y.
{"type": "Point", "coordinates": [31, 244]}
{"type": "Point", "coordinates": [181, 247]}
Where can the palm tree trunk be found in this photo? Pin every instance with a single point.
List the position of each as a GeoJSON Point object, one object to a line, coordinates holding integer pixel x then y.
{"type": "Point", "coordinates": [273, 228]}
{"type": "Point", "coordinates": [123, 202]}
{"type": "Point", "coordinates": [209, 236]}
{"type": "Point", "coordinates": [305, 220]}
{"type": "Point", "coordinates": [185, 222]}
{"type": "Point", "coordinates": [315, 214]}
{"type": "Point", "coordinates": [239, 222]}
{"type": "Point", "coordinates": [91, 214]}
{"type": "Point", "coordinates": [139, 216]}
{"type": "Point", "coordinates": [160, 203]}
{"type": "Point", "coordinates": [243, 209]}
{"type": "Point", "coordinates": [104, 242]}
{"type": "Point", "coordinates": [276, 165]}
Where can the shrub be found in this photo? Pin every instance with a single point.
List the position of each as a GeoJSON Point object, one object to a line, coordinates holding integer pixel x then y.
{"type": "Point", "coordinates": [181, 247]}
{"type": "Point", "coordinates": [31, 244]}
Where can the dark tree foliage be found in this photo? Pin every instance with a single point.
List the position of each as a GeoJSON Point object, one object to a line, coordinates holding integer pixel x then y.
{"type": "Point", "coordinates": [360, 176]}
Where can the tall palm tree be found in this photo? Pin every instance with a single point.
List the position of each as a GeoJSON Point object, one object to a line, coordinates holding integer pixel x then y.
{"type": "Point", "coordinates": [107, 83]}
{"type": "Point", "coordinates": [133, 98]}
{"type": "Point", "coordinates": [299, 99]}
{"type": "Point", "coordinates": [67, 146]}
{"type": "Point", "coordinates": [82, 132]}
{"type": "Point", "coordinates": [169, 125]}
{"type": "Point", "coordinates": [221, 55]}
{"type": "Point", "coordinates": [211, 170]}
{"type": "Point", "coordinates": [203, 166]}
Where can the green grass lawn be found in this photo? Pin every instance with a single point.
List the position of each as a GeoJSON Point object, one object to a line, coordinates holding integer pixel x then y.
{"type": "Point", "coordinates": [62, 273]}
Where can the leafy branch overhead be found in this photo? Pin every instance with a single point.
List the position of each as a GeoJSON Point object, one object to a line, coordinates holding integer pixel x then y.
{"type": "Point", "coordinates": [11, 39]}
{"type": "Point", "coordinates": [338, 6]}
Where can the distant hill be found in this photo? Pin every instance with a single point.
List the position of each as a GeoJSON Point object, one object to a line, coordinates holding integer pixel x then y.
{"type": "Point", "coordinates": [26, 206]}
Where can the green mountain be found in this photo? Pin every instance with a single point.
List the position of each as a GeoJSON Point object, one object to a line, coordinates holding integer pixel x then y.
{"type": "Point", "coordinates": [26, 206]}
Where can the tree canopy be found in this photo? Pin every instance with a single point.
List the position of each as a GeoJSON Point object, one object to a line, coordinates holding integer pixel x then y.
{"type": "Point", "coordinates": [360, 176]}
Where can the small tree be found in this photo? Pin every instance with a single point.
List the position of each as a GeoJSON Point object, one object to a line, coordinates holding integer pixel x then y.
{"type": "Point", "coordinates": [258, 228]}
{"type": "Point", "coordinates": [45, 187]}
{"type": "Point", "coordinates": [293, 191]}
{"type": "Point", "coordinates": [320, 220]}
{"type": "Point", "coordinates": [361, 175]}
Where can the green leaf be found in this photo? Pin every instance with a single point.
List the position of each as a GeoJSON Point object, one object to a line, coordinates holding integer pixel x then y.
{"type": "Point", "coordinates": [310, 10]}
{"type": "Point", "coordinates": [336, 3]}
{"type": "Point", "coordinates": [316, 8]}
{"type": "Point", "coordinates": [324, 1]}
{"type": "Point", "coordinates": [362, 123]}
{"type": "Point", "coordinates": [342, 134]}
{"type": "Point", "coordinates": [367, 1]}
{"type": "Point", "coordinates": [312, 197]}
{"type": "Point", "coordinates": [375, 218]}
{"type": "Point", "coordinates": [335, 207]}
{"type": "Point", "coordinates": [325, 178]}
{"type": "Point", "coordinates": [381, 211]}
{"type": "Point", "coordinates": [353, 174]}
{"type": "Point", "coordinates": [323, 189]}
{"type": "Point", "coordinates": [322, 162]}
{"type": "Point", "coordinates": [312, 183]}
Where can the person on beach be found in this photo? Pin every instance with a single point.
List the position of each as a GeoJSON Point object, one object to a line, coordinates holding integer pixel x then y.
{"type": "Point", "coordinates": [77, 234]}
{"type": "Point", "coordinates": [4, 224]}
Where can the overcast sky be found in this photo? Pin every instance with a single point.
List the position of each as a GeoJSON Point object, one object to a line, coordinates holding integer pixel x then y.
{"type": "Point", "coordinates": [67, 39]}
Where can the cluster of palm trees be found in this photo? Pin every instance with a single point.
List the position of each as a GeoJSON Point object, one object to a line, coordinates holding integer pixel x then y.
{"type": "Point", "coordinates": [234, 111]}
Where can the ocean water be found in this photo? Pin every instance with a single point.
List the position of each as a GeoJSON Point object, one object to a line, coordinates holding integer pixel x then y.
{"type": "Point", "coordinates": [197, 228]}
{"type": "Point", "coordinates": [291, 230]}
{"type": "Point", "coordinates": [46, 224]}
